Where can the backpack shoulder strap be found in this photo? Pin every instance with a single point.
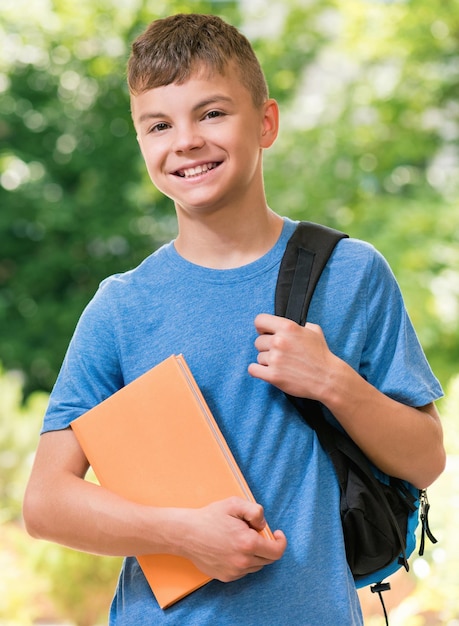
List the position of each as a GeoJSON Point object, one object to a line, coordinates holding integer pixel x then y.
{"type": "Point", "coordinates": [306, 254]}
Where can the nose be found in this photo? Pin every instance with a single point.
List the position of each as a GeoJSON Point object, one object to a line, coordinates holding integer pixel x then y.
{"type": "Point", "coordinates": [188, 137]}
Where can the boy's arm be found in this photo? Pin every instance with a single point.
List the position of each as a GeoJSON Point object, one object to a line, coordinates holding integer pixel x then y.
{"type": "Point", "coordinates": [61, 506]}
{"type": "Point", "coordinates": [403, 441]}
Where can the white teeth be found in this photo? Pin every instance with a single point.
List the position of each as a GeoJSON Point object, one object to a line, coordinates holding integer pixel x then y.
{"type": "Point", "coordinates": [199, 169]}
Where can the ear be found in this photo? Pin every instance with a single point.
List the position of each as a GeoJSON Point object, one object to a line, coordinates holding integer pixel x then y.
{"type": "Point", "coordinates": [270, 123]}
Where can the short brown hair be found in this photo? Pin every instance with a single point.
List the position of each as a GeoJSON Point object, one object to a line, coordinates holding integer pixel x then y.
{"type": "Point", "coordinates": [173, 48]}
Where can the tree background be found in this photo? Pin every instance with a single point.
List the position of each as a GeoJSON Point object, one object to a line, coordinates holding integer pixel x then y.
{"type": "Point", "coordinates": [369, 144]}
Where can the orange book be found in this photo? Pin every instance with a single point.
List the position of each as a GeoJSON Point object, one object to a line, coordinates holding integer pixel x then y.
{"type": "Point", "coordinates": [156, 442]}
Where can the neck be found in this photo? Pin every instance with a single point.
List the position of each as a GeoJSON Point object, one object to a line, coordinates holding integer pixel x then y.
{"type": "Point", "coordinates": [220, 242]}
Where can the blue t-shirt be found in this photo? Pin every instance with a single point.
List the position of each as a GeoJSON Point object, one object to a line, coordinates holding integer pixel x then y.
{"type": "Point", "coordinates": [168, 305]}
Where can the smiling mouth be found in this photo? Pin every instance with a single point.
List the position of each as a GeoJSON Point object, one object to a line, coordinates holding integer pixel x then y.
{"type": "Point", "coordinates": [192, 172]}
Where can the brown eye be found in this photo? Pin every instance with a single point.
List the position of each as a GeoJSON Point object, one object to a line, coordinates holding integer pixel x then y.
{"type": "Point", "coordinates": [213, 114]}
{"type": "Point", "coordinates": [157, 128]}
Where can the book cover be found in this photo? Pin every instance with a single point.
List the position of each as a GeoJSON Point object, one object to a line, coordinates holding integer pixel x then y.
{"type": "Point", "coordinates": [155, 442]}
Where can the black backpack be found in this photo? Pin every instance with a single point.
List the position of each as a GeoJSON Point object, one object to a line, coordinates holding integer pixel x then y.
{"type": "Point", "coordinates": [379, 513]}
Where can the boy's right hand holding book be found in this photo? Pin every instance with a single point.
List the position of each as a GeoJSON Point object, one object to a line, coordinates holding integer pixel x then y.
{"type": "Point", "coordinates": [223, 539]}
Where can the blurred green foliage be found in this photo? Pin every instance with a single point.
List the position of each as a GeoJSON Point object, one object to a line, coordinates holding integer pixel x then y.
{"type": "Point", "coordinates": [39, 580]}
{"type": "Point", "coordinates": [369, 143]}
{"type": "Point", "coordinates": [19, 427]}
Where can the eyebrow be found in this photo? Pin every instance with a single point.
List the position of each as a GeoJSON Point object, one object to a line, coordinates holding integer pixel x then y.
{"type": "Point", "coordinates": [199, 105]}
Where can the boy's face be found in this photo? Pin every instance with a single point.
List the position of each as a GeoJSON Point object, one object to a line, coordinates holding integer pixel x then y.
{"type": "Point", "coordinates": [202, 141]}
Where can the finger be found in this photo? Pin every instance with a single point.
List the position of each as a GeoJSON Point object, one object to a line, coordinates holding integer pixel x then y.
{"type": "Point", "coordinates": [263, 359]}
{"type": "Point", "coordinates": [266, 323]}
{"type": "Point", "coordinates": [255, 518]}
{"type": "Point", "coordinates": [255, 566]}
{"type": "Point", "coordinates": [250, 512]}
{"type": "Point", "coordinates": [272, 550]}
{"type": "Point", "coordinates": [263, 356]}
{"type": "Point", "coordinates": [257, 370]}
{"type": "Point", "coordinates": [263, 343]}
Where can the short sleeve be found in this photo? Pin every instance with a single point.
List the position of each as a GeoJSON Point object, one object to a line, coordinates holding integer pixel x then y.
{"type": "Point", "coordinates": [393, 359]}
{"type": "Point", "coordinates": [91, 369]}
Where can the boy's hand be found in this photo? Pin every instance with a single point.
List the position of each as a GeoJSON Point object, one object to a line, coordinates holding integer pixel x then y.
{"type": "Point", "coordinates": [225, 543]}
{"type": "Point", "coordinates": [294, 358]}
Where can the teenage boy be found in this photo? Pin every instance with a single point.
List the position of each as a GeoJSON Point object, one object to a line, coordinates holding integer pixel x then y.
{"type": "Point", "coordinates": [203, 119]}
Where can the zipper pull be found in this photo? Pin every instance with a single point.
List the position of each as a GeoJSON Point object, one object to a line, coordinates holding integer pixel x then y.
{"type": "Point", "coordinates": [424, 509]}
